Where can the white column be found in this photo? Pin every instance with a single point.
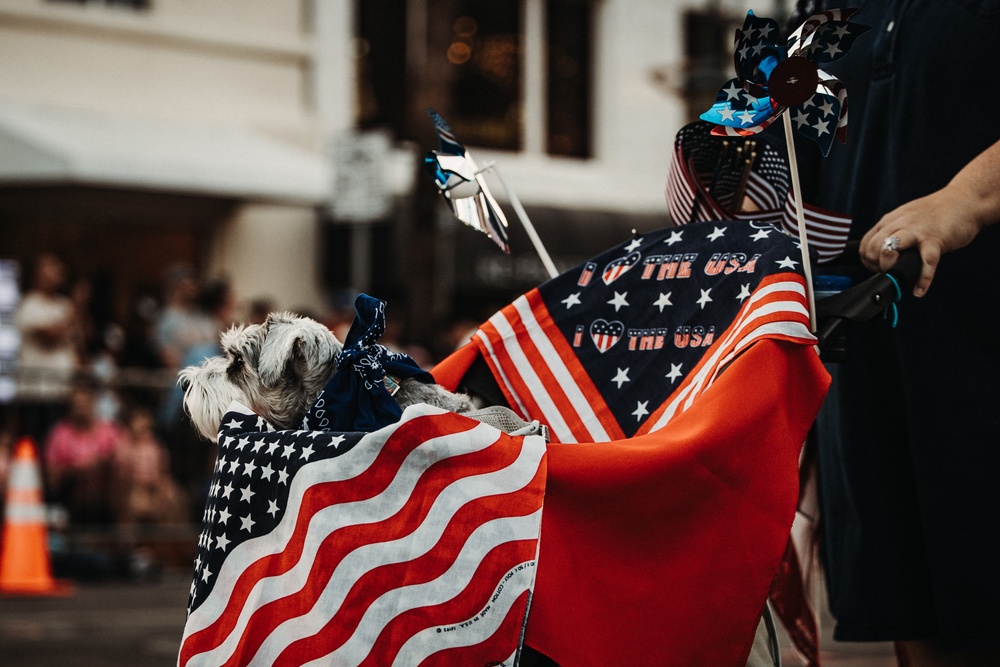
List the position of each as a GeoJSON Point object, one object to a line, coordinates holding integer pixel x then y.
{"type": "Point", "coordinates": [533, 108]}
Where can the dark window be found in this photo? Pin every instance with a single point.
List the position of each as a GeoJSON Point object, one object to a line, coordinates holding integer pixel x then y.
{"type": "Point", "coordinates": [465, 58]}
{"type": "Point", "coordinates": [475, 58]}
{"type": "Point", "coordinates": [381, 65]}
{"type": "Point", "coordinates": [568, 57]}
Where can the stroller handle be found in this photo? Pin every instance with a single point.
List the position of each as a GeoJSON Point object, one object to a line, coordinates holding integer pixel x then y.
{"type": "Point", "coordinates": [869, 298]}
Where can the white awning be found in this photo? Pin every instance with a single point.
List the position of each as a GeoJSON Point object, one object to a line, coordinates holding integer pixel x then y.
{"type": "Point", "coordinates": [56, 146]}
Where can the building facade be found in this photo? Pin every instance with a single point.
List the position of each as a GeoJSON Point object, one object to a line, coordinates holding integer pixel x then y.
{"type": "Point", "coordinates": [138, 134]}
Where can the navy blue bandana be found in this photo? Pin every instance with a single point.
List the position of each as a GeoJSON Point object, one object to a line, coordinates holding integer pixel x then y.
{"type": "Point", "coordinates": [358, 396]}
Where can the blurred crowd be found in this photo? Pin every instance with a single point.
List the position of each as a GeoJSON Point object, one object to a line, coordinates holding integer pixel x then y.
{"type": "Point", "coordinates": [100, 401]}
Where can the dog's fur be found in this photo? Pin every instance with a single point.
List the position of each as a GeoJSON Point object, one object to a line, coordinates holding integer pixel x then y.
{"type": "Point", "coordinates": [277, 369]}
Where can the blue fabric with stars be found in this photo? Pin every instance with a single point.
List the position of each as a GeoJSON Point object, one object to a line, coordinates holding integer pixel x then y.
{"type": "Point", "coordinates": [250, 486]}
{"type": "Point", "coordinates": [356, 397]}
{"type": "Point", "coordinates": [641, 315]}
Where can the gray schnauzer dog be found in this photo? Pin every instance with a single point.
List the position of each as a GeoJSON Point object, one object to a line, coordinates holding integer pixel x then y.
{"type": "Point", "coordinates": [278, 369]}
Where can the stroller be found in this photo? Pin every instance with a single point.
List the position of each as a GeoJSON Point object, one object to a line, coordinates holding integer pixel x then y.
{"type": "Point", "coordinates": [677, 376]}
{"type": "Point", "coordinates": [675, 526]}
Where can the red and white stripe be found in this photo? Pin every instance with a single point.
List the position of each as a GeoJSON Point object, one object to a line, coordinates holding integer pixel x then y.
{"type": "Point", "coordinates": [689, 201]}
{"type": "Point", "coordinates": [418, 543]}
{"type": "Point", "coordinates": [777, 309]}
{"type": "Point", "coordinates": [542, 376]}
{"type": "Point", "coordinates": [826, 230]}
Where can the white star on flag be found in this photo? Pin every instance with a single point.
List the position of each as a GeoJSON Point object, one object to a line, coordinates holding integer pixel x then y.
{"type": "Point", "coordinates": [233, 465]}
{"type": "Point", "coordinates": [820, 127]}
{"type": "Point", "coordinates": [675, 237]}
{"type": "Point", "coordinates": [619, 300]}
{"type": "Point", "coordinates": [787, 263]}
{"type": "Point", "coordinates": [733, 91]}
{"type": "Point", "coordinates": [675, 372]}
{"type": "Point", "coordinates": [282, 476]}
{"type": "Point", "coordinates": [223, 516]}
{"type": "Point", "coordinates": [640, 410]}
{"type": "Point", "coordinates": [221, 542]}
{"type": "Point", "coordinates": [271, 447]}
{"type": "Point", "coordinates": [704, 299]}
{"type": "Point", "coordinates": [287, 451]}
{"type": "Point", "coordinates": [233, 424]}
{"type": "Point", "coordinates": [621, 378]}
{"type": "Point", "coordinates": [727, 113]}
{"type": "Point", "coordinates": [801, 119]}
{"type": "Point", "coordinates": [257, 446]}
{"type": "Point", "coordinates": [746, 117]}
{"type": "Point", "coordinates": [205, 574]}
{"type": "Point", "coordinates": [246, 493]}
{"type": "Point", "coordinates": [633, 245]}
{"type": "Point", "coordinates": [307, 452]}
{"type": "Point", "coordinates": [717, 233]}
{"type": "Point", "coordinates": [663, 301]}
{"type": "Point", "coordinates": [266, 471]}
{"type": "Point", "coordinates": [226, 490]}
{"type": "Point", "coordinates": [248, 468]}
{"type": "Point", "coordinates": [572, 300]}
{"type": "Point", "coordinates": [247, 523]}
{"type": "Point", "coordinates": [336, 440]}
{"type": "Point", "coordinates": [761, 234]}
{"type": "Point", "coordinates": [272, 508]}
{"type": "Point", "coordinates": [744, 292]}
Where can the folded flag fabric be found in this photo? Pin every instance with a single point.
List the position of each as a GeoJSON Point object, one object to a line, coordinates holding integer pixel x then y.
{"type": "Point", "coordinates": [411, 545]}
{"type": "Point", "coordinates": [625, 342]}
{"type": "Point", "coordinates": [660, 549]}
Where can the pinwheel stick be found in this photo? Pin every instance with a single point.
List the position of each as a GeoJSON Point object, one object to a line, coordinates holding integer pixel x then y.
{"type": "Point", "coordinates": [522, 215]}
{"type": "Point", "coordinates": [800, 217]}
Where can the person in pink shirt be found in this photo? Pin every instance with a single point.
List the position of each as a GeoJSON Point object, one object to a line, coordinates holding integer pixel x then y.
{"type": "Point", "coordinates": [78, 458]}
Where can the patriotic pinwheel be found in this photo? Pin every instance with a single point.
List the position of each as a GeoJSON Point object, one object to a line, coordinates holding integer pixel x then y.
{"type": "Point", "coordinates": [772, 78]}
{"type": "Point", "coordinates": [461, 183]}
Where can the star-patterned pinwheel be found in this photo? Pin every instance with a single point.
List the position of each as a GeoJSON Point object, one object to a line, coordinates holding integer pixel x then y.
{"type": "Point", "coordinates": [772, 78]}
{"type": "Point", "coordinates": [460, 181]}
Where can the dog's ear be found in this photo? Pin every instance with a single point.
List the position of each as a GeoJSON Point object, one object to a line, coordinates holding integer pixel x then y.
{"type": "Point", "coordinates": [295, 344]}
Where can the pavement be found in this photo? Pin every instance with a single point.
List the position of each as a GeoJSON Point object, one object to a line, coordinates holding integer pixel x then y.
{"type": "Point", "coordinates": [139, 625]}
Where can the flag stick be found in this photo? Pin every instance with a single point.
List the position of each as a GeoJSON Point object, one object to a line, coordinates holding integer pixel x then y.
{"type": "Point", "coordinates": [800, 217]}
{"type": "Point", "coordinates": [525, 221]}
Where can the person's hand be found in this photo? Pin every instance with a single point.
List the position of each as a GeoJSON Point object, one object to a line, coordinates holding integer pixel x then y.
{"type": "Point", "coordinates": [941, 222]}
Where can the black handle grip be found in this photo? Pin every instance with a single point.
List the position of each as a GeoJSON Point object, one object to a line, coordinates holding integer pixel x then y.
{"type": "Point", "coordinates": [907, 269]}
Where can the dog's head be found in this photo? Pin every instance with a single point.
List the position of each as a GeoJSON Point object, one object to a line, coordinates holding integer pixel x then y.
{"type": "Point", "coordinates": [277, 369]}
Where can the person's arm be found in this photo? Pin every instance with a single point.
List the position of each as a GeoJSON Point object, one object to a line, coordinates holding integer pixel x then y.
{"type": "Point", "coordinates": [942, 221]}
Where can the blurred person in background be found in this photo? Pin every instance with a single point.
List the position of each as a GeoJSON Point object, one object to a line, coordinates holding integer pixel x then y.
{"type": "Point", "coordinates": [191, 458]}
{"type": "Point", "coordinates": [46, 320]}
{"type": "Point", "coordinates": [144, 494]}
{"type": "Point", "coordinates": [78, 456]}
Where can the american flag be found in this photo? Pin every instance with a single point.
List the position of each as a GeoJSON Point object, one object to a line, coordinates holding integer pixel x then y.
{"type": "Point", "coordinates": [675, 307]}
{"type": "Point", "coordinates": [452, 167]}
{"type": "Point", "coordinates": [414, 544]}
{"type": "Point", "coordinates": [696, 186]}
{"type": "Point", "coordinates": [753, 100]}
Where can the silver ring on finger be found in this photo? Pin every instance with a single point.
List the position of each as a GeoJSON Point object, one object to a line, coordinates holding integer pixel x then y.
{"type": "Point", "coordinates": [890, 244]}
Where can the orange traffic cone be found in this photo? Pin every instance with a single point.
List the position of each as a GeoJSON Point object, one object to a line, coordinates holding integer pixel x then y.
{"type": "Point", "coordinates": [24, 552]}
